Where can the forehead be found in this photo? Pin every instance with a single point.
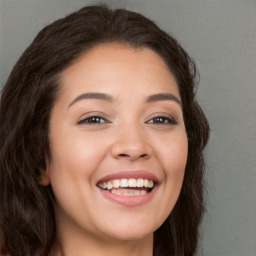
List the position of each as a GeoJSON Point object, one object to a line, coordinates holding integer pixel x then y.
{"type": "Point", "coordinates": [114, 65]}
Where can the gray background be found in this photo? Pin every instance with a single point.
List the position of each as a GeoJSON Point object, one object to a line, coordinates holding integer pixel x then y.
{"type": "Point", "coordinates": [221, 37]}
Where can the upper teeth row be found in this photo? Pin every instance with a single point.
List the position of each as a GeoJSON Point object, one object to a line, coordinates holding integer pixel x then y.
{"type": "Point", "coordinates": [124, 183]}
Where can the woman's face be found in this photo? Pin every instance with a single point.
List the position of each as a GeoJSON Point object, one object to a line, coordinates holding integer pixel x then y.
{"type": "Point", "coordinates": [116, 130]}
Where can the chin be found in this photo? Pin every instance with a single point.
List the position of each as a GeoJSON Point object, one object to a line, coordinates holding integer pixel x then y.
{"type": "Point", "coordinates": [131, 236]}
{"type": "Point", "coordinates": [131, 232]}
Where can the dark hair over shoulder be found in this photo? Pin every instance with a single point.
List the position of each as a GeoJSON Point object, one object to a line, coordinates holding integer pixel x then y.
{"type": "Point", "coordinates": [26, 207]}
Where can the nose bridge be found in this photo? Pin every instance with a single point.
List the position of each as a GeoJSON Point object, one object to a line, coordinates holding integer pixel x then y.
{"type": "Point", "coordinates": [130, 141]}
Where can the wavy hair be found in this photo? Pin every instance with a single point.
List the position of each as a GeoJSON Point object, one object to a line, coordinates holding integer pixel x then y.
{"type": "Point", "coordinates": [27, 223]}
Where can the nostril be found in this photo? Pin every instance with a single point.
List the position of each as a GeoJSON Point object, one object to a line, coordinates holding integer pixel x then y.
{"type": "Point", "coordinates": [123, 155]}
{"type": "Point", "coordinates": [127, 155]}
{"type": "Point", "coordinates": [133, 152]}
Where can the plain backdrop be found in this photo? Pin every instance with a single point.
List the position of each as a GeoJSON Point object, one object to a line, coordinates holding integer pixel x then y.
{"type": "Point", "coordinates": [221, 38]}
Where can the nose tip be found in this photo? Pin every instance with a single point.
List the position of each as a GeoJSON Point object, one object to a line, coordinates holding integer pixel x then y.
{"type": "Point", "coordinates": [124, 150]}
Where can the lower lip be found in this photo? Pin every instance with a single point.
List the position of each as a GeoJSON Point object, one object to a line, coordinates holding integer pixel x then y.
{"type": "Point", "coordinates": [129, 201]}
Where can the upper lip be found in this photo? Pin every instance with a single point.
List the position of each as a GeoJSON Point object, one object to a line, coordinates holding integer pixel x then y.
{"type": "Point", "coordinates": [136, 174]}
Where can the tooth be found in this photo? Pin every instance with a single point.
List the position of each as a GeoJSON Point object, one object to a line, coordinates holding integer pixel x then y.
{"type": "Point", "coordinates": [140, 183]}
{"type": "Point", "coordinates": [150, 183]}
{"type": "Point", "coordinates": [132, 182]}
{"type": "Point", "coordinates": [143, 192]}
{"type": "Point", "coordinates": [116, 183]}
{"type": "Point", "coordinates": [122, 192]}
{"type": "Point", "coordinates": [130, 192]}
{"type": "Point", "coordinates": [145, 183]}
{"type": "Point", "coordinates": [124, 183]}
{"type": "Point", "coordinates": [101, 185]}
{"type": "Point", "coordinates": [115, 191]}
{"type": "Point", "coordinates": [136, 192]}
{"type": "Point", "coordinates": [104, 185]}
{"type": "Point", "coordinates": [109, 186]}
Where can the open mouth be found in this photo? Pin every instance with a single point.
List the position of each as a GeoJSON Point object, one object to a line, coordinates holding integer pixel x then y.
{"type": "Point", "coordinates": [128, 187]}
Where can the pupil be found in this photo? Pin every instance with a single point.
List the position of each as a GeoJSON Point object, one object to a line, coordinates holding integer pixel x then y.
{"type": "Point", "coordinates": [95, 120]}
{"type": "Point", "coordinates": [159, 120]}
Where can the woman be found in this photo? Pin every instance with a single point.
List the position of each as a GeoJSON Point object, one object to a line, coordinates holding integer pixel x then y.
{"type": "Point", "coordinates": [101, 141]}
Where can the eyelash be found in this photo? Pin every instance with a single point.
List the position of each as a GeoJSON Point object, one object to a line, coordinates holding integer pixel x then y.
{"type": "Point", "coordinates": [158, 120]}
{"type": "Point", "coordinates": [162, 120]}
{"type": "Point", "coordinates": [93, 120]}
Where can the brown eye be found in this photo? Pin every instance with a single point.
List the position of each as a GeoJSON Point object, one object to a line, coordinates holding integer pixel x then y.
{"type": "Point", "coordinates": [162, 120]}
{"type": "Point", "coordinates": [93, 120]}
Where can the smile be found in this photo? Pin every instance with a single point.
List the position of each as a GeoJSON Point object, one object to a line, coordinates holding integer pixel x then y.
{"type": "Point", "coordinates": [128, 187]}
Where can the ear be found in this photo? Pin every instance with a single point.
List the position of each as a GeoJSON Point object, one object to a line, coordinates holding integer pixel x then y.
{"type": "Point", "coordinates": [45, 178]}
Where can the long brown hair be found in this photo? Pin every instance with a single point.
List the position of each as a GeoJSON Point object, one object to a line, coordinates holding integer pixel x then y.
{"type": "Point", "coordinates": [27, 220]}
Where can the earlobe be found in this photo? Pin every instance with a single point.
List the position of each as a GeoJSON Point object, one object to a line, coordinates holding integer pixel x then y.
{"type": "Point", "coordinates": [45, 179]}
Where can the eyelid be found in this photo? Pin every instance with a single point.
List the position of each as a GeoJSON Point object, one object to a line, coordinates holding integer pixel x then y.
{"type": "Point", "coordinates": [173, 121]}
{"type": "Point", "coordinates": [93, 114]}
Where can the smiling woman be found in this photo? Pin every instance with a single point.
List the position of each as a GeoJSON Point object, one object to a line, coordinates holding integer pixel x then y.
{"type": "Point", "coordinates": [101, 141]}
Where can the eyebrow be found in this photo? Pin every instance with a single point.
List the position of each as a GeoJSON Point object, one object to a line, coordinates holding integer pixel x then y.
{"type": "Point", "coordinates": [162, 97]}
{"type": "Point", "coordinates": [92, 95]}
{"type": "Point", "coordinates": [109, 98]}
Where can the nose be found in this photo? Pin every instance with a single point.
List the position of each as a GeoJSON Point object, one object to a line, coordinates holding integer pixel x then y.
{"type": "Point", "coordinates": [132, 144]}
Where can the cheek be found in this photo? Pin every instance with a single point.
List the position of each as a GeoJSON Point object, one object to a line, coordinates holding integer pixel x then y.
{"type": "Point", "coordinates": [174, 158]}
{"type": "Point", "coordinates": [171, 154]}
{"type": "Point", "coordinates": [174, 153]}
{"type": "Point", "coordinates": [76, 151]}
{"type": "Point", "coordinates": [75, 158]}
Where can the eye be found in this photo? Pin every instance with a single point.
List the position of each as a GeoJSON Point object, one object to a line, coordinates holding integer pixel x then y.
{"type": "Point", "coordinates": [162, 120]}
{"type": "Point", "coordinates": [93, 120]}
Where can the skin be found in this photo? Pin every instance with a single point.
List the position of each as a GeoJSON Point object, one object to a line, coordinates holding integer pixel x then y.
{"type": "Point", "coordinates": [128, 138]}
